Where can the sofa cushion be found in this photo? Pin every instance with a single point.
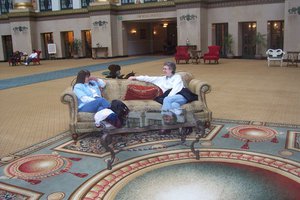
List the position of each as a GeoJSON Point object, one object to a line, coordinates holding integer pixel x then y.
{"type": "Point", "coordinates": [142, 92]}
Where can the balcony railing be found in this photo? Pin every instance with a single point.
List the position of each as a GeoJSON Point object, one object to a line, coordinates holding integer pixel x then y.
{"type": "Point", "coordinates": [86, 3]}
{"type": "Point", "coordinates": [45, 5]}
{"type": "Point", "coordinates": [124, 2]}
{"type": "Point", "coordinates": [5, 6]}
{"type": "Point", "coordinates": [66, 4]}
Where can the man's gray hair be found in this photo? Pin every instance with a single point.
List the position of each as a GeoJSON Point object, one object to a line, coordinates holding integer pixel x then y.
{"type": "Point", "coordinates": [171, 66]}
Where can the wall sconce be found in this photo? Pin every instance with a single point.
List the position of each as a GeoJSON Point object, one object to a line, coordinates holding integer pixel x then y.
{"type": "Point", "coordinates": [165, 25]}
{"type": "Point", "coordinates": [133, 31]}
{"type": "Point", "coordinates": [187, 17]}
{"type": "Point", "coordinates": [252, 26]}
{"type": "Point", "coordinates": [20, 28]}
{"type": "Point", "coordinates": [294, 11]}
{"type": "Point", "coordinates": [154, 32]}
{"type": "Point", "coordinates": [100, 23]}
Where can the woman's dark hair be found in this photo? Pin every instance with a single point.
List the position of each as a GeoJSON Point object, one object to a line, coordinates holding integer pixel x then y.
{"type": "Point", "coordinates": [81, 76]}
{"type": "Point", "coordinates": [171, 65]}
{"type": "Point", "coordinates": [88, 73]}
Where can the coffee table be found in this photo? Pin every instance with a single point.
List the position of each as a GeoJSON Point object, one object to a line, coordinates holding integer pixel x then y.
{"type": "Point", "coordinates": [143, 121]}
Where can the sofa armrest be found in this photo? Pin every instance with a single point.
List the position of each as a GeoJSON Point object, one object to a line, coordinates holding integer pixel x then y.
{"type": "Point", "coordinates": [69, 97]}
{"type": "Point", "coordinates": [200, 88]}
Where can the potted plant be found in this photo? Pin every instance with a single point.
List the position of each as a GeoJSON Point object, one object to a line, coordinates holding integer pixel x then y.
{"type": "Point", "coordinates": [228, 41]}
{"type": "Point", "coordinates": [260, 41]}
{"type": "Point", "coordinates": [77, 43]}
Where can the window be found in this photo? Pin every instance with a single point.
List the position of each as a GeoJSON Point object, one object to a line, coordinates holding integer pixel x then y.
{"type": "Point", "coordinates": [45, 5]}
{"type": "Point", "coordinates": [5, 5]}
{"type": "Point", "coordinates": [127, 2]}
{"type": "Point", "coordinates": [86, 3]}
{"type": "Point", "coordinates": [66, 4]}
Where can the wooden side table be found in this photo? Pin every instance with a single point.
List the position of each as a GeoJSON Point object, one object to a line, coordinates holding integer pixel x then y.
{"type": "Point", "coordinates": [292, 58]}
{"type": "Point", "coordinates": [99, 52]}
{"type": "Point", "coordinates": [195, 56]}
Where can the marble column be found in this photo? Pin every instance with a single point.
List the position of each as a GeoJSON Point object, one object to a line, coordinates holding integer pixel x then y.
{"type": "Point", "coordinates": [21, 28]}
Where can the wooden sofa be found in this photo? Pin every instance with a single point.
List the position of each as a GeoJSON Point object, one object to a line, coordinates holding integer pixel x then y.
{"type": "Point", "coordinates": [81, 122]}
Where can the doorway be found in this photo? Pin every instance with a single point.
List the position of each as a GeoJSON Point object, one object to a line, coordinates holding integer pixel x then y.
{"type": "Point", "coordinates": [171, 39]}
{"type": "Point", "coordinates": [275, 34]}
{"type": "Point", "coordinates": [66, 43]}
{"type": "Point", "coordinates": [7, 46]}
{"type": "Point", "coordinates": [47, 38]}
{"type": "Point", "coordinates": [150, 37]}
{"type": "Point", "coordinates": [87, 43]}
{"type": "Point", "coordinates": [248, 39]}
{"type": "Point", "coordinates": [220, 31]}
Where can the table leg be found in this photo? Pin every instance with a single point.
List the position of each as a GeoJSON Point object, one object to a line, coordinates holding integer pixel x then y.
{"type": "Point", "coordinates": [200, 131]}
{"type": "Point", "coordinates": [196, 152]}
{"type": "Point", "coordinates": [106, 140]}
{"type": "Point", "coordinates": [182, 133]}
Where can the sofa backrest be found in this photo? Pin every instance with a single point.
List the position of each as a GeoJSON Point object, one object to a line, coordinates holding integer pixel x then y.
{"type": "Point", "coordinates": [116, 88]}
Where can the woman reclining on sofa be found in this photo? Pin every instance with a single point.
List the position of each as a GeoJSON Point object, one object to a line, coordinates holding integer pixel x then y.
{"type": "Point", "coordinates": [87, 91]}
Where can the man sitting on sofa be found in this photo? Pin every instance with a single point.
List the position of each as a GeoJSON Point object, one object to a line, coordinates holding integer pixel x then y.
{"type": "Point", "coordinates": [174, 92]}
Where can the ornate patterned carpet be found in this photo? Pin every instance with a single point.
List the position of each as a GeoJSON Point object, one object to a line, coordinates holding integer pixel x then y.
{"type": "Point", "coordinates": [238, 160]}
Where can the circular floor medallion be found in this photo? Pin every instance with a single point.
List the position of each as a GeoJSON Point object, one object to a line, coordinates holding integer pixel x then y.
{"type": "Point", "coordinates": [253, 133]}
{"type": "Point", "coordinates": [36, 167]}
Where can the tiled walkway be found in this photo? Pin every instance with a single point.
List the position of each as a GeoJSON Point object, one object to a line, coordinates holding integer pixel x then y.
{"type": "Point", "coordinates": [47, 76]}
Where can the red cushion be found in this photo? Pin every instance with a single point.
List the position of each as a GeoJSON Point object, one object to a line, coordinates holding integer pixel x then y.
{"type": "Point", "coordinates": [141, 92]}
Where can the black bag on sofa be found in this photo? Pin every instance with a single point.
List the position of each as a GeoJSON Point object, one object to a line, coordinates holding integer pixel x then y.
{"type": "Point", "coordinates": [190, 96]}
{"type": "Point", "coordinates": [120, 109]}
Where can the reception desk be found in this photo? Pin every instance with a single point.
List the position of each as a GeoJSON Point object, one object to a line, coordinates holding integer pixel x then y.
{"type": "Point", "coordinates": [99, 52]}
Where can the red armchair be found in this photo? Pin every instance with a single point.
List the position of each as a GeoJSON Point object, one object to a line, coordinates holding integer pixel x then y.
{"type": "Point", "coordinates": [15, 58]}
{"type": "Point", "coordinates": [37, 59]}
{"type": "Point", "coordinates": [213, 54]}
{"type": "Point", "coordinates": [182, 53]}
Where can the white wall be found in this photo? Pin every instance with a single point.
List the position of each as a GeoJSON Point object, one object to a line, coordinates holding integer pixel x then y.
{"type": "Point", "coordinates": [58, 26]}
{"type": "Point", "coordinates": [292, 27]}
{"type": "Point", "coordinates": [261, 14]}
{"type": "Point", "coordinates": [189, 29]}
